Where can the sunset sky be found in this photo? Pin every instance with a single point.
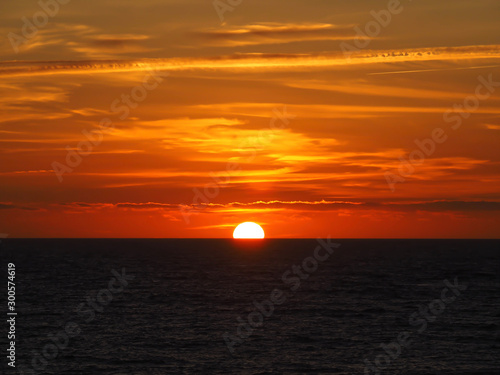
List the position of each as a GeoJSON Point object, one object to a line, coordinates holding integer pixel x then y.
{"type": "Point", "coordinates": [279, 115]}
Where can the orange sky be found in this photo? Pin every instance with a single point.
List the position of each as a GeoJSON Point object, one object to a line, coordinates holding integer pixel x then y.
{"type": "Point", "coordinates": [154, 119]}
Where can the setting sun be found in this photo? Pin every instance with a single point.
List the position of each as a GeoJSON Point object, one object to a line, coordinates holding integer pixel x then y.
{"type": "Point", "coordinates": [248, 230]}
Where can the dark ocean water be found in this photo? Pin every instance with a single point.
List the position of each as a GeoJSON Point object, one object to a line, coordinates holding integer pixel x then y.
{"type": "Point", "coordinates": [182, 297]}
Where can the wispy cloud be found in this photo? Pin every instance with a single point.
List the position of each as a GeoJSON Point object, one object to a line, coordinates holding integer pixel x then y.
{"type": "Point", "coordinates": [320, 205]}
{"type": "Point", "coordinates": [492, 127]}
{"type": "Point", "coordinates": [274, 33]}
{"type": "Point", "coordinates": [82, 41]}
{"type": "Point", "coordinates": [110, 45]}
{"type": "Point", "coordinates": [10, 206]}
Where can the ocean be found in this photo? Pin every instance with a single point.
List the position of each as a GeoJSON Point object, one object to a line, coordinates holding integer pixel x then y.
{"type": "Point", "coordinates": [223, 306]}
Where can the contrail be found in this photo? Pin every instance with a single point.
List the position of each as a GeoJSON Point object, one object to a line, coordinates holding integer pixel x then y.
{"type": "Point", "coordinates": [433, 70]}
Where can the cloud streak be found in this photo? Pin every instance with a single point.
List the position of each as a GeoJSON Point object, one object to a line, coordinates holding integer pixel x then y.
{"type": "Point", "coordinates": [274, 33]}
{"type": "Point", "coordinates": [319, 205]}
{"type": "Point", "coordinates": [252, 61]}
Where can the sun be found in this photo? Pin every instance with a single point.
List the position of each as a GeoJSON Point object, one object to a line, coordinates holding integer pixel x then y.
{"type": "Point", "coordinates": [248, 230]}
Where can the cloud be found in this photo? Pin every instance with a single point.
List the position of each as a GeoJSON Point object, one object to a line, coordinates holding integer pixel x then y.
{"type": "Point", "coordinates": [324, 205]}
{"type": "Point", "coordinates": [362, 88]}
{"type": "Point", "coordinates": [81, 40]}
{"type": "Point", "coordinates": [299, 205]}
{"type": "Point", "coordinates": [252, 61]}
{"type": "Point", "coordinates": [10, 206]}
{"type": "Point", "coordinates": [109, 45]}
{"type": "Point", "coordinates": [492, 127]}
{"type": "Point", "coordinates": [274, 33]}
{"type": "Point", "coordinates": [54, 35]}
{"type": "Point", "coordinates": [319, 111]}
{"type": "Point", "coordinates": [116, 41]}
{"type": "Point", "coordinates": [462, 206]}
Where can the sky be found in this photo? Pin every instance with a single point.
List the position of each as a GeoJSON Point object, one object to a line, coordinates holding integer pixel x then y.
{"type": "Point", "coordinates": [184, 118]}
